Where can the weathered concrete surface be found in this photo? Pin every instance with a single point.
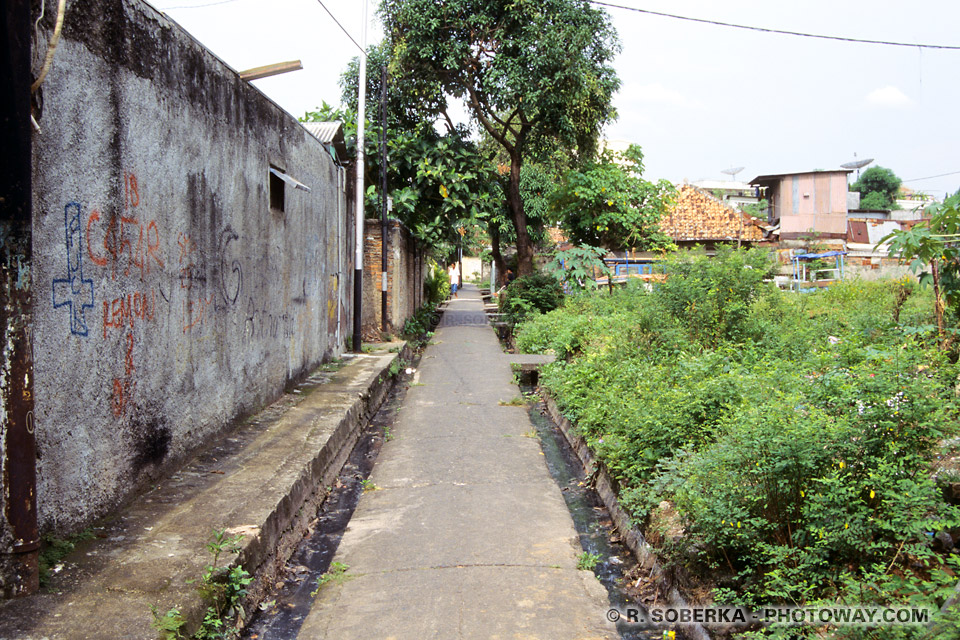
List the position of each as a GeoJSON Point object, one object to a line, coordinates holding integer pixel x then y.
{"type": "Point", "coordinates": [261, 481]}
{"type": "Point", "coordinates": [171, 294]}
{"type": "Point", "coordinates": [466, 535]}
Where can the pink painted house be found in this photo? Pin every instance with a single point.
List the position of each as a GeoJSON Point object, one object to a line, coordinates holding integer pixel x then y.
{"type": "Point", "coordinates": [806, 202]}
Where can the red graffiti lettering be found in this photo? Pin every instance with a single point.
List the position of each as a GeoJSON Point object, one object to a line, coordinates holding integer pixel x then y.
{"type": "Point", "coordinates": [195, 311]}
{"type": "Point", "coordinates": [128, 243]}
{"type": "Point", "coordinates": [124, 311]}
{"type": "Point", "coordinates": [131, 191]}
{"type": "Point", "coordinates": [123, 387]}
{"type": "Point", "coordinates": [98, 260]}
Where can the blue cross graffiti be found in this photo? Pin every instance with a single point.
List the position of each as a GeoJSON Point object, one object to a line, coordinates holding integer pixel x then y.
{"type": "Point", "coordinates": [74, 291]}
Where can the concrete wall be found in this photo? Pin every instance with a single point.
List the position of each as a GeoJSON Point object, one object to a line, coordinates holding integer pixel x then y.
{"type": "Point", "coordinates": [406, 271]}
{"type": "Point", "coordinates": [170, 296]}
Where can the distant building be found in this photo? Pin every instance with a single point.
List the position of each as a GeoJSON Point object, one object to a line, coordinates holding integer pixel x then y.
{"type": "Point", "coordinates": [736, 194]}
{"type": "Point", "coordinates": [698, 217]}
{"type": "Point", "coordinates": [807, 202]}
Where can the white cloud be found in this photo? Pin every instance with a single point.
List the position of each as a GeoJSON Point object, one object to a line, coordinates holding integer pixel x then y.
{"type": "Point", "coordinates": [655, 94]}
{"type": "Point", "coordinates": [888, 96]}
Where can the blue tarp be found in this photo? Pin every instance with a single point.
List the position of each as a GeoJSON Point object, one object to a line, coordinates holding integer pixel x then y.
{"type": "Point", "coordinates": [814, 256]}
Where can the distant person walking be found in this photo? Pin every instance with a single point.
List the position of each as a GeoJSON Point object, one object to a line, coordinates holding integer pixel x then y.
{"type": "Point", "coordinates": [453, 280]}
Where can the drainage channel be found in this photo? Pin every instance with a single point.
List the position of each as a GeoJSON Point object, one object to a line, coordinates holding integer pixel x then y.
{"type": "Point", "coordinates": [592, 521]}
{"type": "Point", "coordinates": [282, 615]}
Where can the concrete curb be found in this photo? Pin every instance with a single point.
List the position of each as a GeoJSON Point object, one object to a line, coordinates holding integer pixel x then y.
{"type": "Point", "coordinates": [264, 479]}
{"type": "Point", "coordinates": [265, 556]}
{"type": "Point", "coordinates": [632, 537]}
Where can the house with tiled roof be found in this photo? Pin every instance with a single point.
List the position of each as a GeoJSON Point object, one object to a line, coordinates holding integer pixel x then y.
{"type": "Point", "coordinates": [698, 218]}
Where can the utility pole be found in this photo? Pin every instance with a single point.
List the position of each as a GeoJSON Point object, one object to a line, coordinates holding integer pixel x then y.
{"type": "Point", "coordinates": [383, 199]}
{"type": "Point", "coordinates": [358, 250]}
{"type": "Point", "coordinates": [460, 259]}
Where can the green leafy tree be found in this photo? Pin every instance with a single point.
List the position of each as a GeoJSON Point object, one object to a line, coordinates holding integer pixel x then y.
{"type": "Point", "coordinates": [533, 74]}
{"type": "Point", "coordinates": [607, 203]}
{"type": "Point", "coordinates": [878, 187]}
{"type": "Point", "coordinates": [932, 248]}
{"type": "Point", "coordinates": [579, 266]}
{"type": "Point", "coordinates": [439, 183]}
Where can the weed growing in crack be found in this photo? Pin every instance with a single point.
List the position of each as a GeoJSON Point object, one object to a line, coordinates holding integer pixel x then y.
{"type": "Point", "coordinates": [222, 588]}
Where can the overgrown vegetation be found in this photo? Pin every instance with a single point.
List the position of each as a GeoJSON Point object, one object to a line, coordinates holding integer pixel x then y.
{"type": "Point", "coordinates": [222, 588]}
{"type": "Point", "coordinates": [534, 293]}
{"type": "Point", "coordinates": [792, 434]}
{"type": "Point", "coordinates": [437, 284]}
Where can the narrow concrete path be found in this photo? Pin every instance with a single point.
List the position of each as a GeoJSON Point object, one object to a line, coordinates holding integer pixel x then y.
{"type": "Point", "coordinates": [466, 535]}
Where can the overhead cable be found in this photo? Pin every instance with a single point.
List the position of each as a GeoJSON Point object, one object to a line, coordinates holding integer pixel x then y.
{"type": "Point", "coordinates": [777, 31]}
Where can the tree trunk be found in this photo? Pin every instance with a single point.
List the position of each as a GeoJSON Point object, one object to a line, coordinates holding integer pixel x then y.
{"type": "Point", "coordinates": [524, 243]}
{"type": "Point", "coordinates": [938, 306]}
{"type": "Point", "coordinates": [499, 264]}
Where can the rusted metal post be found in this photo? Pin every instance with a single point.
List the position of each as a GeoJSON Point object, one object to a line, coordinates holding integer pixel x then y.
{"type": "Point", "coordinates": [19, 534]}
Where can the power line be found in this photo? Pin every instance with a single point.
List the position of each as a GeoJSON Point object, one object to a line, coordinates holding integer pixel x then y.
{"type": "Point", "coordinates": [778, 31]}
{"type": "Point", "coordinates": [213, 4]}
{"type": "Point", "coordinates": [198, 6]}
{"type": "Point", "coordinates": [341, 26]}
{"type": "Point", "coordinates": [942, 175]}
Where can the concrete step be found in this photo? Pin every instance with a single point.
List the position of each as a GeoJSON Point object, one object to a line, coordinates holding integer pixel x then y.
{"type": "Point", "coordinates": [263, 480]}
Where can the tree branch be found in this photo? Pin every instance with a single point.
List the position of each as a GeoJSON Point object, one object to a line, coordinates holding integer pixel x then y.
{"type": "Point", "coordinates": [482, 118]}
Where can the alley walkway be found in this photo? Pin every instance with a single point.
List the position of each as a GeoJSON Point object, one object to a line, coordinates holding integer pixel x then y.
{"type": "Point", "coordinates": [463, 534]}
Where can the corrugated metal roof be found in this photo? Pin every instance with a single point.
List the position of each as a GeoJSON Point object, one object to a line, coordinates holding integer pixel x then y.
{"type": "Point", "coordinates": [331, 135]}
{"type": "Point", "coordinates": [324, 131]}
{"type": "Point", "coordinates": [771, 176]}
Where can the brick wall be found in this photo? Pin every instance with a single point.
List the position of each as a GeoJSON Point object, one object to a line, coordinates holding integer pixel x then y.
{"type": "Point", "coordinates": [406, 270]}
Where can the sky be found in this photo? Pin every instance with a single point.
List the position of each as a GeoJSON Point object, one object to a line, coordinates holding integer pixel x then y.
{"type": "Point", "coordinates": [698, 98]}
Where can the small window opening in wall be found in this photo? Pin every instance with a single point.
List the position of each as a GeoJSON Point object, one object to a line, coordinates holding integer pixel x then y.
{"type": "Point", "coordinates": [277, 185]}
{"type": "Point", "coordinates": [278, 182]}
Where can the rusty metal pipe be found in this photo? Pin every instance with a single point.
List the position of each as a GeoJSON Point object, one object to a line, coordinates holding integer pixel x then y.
{"type": "Point", "coordinates": [19, 535]}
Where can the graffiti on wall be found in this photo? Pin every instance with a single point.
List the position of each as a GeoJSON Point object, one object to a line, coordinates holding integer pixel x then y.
{"type": "Point", "coordinates": [74, 291]}
{"type": "Point", "coordinates": [231, 278]}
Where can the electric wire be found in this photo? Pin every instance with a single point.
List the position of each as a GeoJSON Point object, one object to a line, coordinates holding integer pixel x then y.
{"type": "Point", "coordinates": [942, 175]}
{"type": "Point", "coordinates": [198, 6]}
{"type": "Point", "coordinates": [777, 31]}
{"type": "Point", "coordinates": [320, 2]}
{"type": "Point", "coordinates": [347, 33]}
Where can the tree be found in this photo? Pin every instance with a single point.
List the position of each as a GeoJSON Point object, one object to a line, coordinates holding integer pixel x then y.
{"type": "Point", "coordinates": [534, 73]}
{"type": "Point", "coordinates": [607, 203]}
{"type": "Point", "coordinates": [934, 244]}
{"type": "Point", "coordinates": [878, 187]}
{"type": "Point", "coordinates": [438, 182]}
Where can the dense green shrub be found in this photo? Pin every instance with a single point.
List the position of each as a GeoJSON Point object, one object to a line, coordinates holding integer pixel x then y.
{"type": "Point", "coordinates": [530, 294]}
{"type": "Point", "coordinates": [437, 284]}
{"type": "Point", "coordinates": [712, 296]}
{"type": "Point", "coordinates": [793, 433]}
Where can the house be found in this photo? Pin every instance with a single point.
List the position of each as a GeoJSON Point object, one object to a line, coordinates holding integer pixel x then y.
{"type": "Point", "coordinates": [736, 194]}
{"type": "Point", "coordinates": [330, 135]}
{"type": "Point", "coordinates": [698, 217]}
{"type": "Point", "coordinates": [806, 202]}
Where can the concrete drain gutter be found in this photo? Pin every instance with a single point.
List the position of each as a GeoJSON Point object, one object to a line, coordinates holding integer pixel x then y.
{"type": "Point", "coordinates": [630, 535]}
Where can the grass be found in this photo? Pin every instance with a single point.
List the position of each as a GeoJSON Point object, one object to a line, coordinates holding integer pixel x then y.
{"type": "Point", "coordinates": [586, 561]}
{"type": "Point", "coordinates": [337, 575]}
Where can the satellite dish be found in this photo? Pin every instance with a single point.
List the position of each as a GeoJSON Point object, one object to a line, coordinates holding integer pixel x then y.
{"type": "Point", "coordinates": [733, 172]}
{"type": "Point", "coordinates": [857, 164]}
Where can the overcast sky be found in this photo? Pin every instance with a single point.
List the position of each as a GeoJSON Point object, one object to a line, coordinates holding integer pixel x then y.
{"type": "Point", "coordinates": [698, 98]}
